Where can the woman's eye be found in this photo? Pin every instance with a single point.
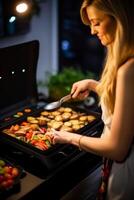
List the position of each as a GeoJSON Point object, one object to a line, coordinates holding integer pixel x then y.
{"type": "Point", "coordinates": [96, 24]}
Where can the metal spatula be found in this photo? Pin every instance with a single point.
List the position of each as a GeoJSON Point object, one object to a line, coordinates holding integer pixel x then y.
{"type": "Point", "coordinates": [55, 105]}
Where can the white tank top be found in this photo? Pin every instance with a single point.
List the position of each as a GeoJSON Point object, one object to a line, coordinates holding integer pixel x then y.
{"type": "Point", "coordinates": [121, 179]}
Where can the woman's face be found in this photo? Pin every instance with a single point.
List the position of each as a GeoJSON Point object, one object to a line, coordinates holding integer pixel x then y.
{"type": "Point", "coordinates": [102, 25]}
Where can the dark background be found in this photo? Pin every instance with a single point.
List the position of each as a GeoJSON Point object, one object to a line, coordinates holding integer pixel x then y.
{"type": "Point", "coordinates": [77, 47]}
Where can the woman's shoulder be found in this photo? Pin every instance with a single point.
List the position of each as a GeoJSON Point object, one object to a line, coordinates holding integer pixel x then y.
{"type": "Point", "coordinates": [127, 69]}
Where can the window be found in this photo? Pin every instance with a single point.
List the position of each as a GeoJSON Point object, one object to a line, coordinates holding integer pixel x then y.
{"type": "Point", "coordinates": [77, 47]}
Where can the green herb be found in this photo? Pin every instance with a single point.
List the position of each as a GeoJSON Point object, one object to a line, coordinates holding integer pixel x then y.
{"type": "Point", "coordinates": [60, 84]}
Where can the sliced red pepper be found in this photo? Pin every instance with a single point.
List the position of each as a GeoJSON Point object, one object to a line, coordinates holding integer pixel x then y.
{"type": "Point", "coordinates": [33, 142]}
{"type": "Point", "coordinates": [29, 135]}
{"type": "Point", "coordinates": [41, 145]}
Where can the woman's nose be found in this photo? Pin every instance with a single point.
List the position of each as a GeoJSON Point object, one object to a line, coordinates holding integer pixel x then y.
{"type": "Point", "coordinates": [93, 30]}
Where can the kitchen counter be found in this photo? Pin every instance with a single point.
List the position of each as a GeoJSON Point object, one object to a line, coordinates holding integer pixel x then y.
{"type": "Point", "coordinates": [28, 184]}
{"type": "Point", "coordinates": [59, 183]}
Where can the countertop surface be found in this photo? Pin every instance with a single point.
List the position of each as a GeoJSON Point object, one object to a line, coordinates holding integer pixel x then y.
{"type": "Point", "coordinates": [28, 184]}
{"type": "Point", "coordinates": [57, 185]}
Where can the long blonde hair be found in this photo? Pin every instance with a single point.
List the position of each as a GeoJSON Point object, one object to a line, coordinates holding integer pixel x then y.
{"type": "Point", "coordinates": [120, 50]}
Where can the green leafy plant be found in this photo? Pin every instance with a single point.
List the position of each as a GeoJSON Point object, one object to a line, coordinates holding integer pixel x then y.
{"type": "Point", "coordinates": [60, 84]}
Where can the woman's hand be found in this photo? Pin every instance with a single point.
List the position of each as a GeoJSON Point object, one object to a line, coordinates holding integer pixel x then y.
{"type": "Point", "coordinates": [81, 89]}
{"type": "Point", "coordinates": [60, 136]}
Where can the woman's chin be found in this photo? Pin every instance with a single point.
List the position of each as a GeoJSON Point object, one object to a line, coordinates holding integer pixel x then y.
{"type": "Point", "coordinates": [105, 43]}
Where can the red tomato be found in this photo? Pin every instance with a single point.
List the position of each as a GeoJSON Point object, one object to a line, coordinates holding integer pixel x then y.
{"type": "Point", "coordinates": [8, 169]}
{"type": "Point", "coordinates": [10, 182]}
{"type": "Point", "coordinates": [7, 183]}
{"type": "Point", "coordinates": [1, 178]}
{"type": "Point", "coordinates": [8, 176]}
{"type": "Point", "coordinates": [15, 172]}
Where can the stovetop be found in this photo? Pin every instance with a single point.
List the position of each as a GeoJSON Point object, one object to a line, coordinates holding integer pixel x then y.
{"type": "Point", "coordinates": [19, 92]}
{"type": "Point", "coordinates": [55, 184]}
{"type": "Point", "coordinates": [37, 164]}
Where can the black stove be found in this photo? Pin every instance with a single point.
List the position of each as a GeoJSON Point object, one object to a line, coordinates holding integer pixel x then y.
{"type": "Point", "coordinates": [19, 93]}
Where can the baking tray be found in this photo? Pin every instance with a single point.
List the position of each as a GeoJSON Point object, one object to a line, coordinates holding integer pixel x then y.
{"type": "Point", "coordinates": [55, 155]}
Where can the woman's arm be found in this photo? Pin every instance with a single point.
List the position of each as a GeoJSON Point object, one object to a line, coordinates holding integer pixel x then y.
{"type": "Point", "coordinates": [81, 89]}
{"type": "Point", "coordinates": [117, 143]}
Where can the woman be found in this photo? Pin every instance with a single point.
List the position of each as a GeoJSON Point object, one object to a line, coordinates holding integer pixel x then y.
{"type": "Point", "coordinates": [112, 21]}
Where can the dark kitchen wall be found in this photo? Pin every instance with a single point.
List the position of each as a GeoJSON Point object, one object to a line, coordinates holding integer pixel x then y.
{"type": "Point", "coordinates": [43, 27]}
{"type": "Point", "coordinates": [64, 40]}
